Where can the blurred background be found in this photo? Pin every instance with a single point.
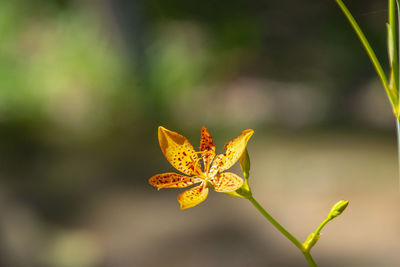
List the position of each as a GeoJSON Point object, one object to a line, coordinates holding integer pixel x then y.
{"type": "Point", "coordinates": [84, 85]}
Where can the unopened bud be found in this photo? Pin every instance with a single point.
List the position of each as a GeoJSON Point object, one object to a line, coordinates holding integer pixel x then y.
{"type": "Point", "coordinates": [338, 208]}
{"type": "Point", "coordinates": [245, 163]}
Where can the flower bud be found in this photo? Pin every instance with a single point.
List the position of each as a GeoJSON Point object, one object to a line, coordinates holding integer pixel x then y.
{"type": "Point", "coordinates": [245, 163]}
{"type": "Point", "coordinates": [338, 208]}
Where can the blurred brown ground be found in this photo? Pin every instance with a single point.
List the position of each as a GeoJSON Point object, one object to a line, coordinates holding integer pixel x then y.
{"type": "Point", "coordinates": [297, 178]}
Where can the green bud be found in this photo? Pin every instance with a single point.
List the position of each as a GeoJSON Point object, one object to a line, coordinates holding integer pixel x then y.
{"type": "Point", "coordinates": [338, 208]}
{"type": "Point", "coordinates": [245, 163]}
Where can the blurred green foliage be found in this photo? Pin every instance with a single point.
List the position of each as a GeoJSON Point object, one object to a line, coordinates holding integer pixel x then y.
{"type": "Point", "coordinates": [55, 63]}
{"type": "Point", "coordinates": [83, 85]}
{"type": "Point", "coordinates": [75, 63]}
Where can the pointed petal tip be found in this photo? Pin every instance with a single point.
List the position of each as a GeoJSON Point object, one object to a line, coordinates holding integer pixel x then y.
{"type": "Point", "coordinates": [248, 131]}
{"type": "Point", "coordinates": [234, 150]}
{"type": "Point", "coordinates": [162, 129]}
{"type": "Point", "coordinates": [185, 207]}
{"type": "Point", "coordinates": [152, 181]}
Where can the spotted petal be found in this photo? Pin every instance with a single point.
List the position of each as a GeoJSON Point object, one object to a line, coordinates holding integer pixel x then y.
{"type": "Point", "coordinates": [178, 151]}
{"type": "Point", "coordinates": [193, 196]}
{"type": "Point", "coordinates": [172, 180]}
{"type": "Point", "coordinates": [234, 150]}
{"type": "Point", "coordinates": [227, 182]}
{"type": "Point", "coordinates": [207, 146]}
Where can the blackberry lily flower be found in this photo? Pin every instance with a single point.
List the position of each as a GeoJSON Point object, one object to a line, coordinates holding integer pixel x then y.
{"type": "Point", "coordinates": [181, 154]}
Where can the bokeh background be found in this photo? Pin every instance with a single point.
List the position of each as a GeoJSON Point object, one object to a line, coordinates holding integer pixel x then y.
{"type": "Point", "coordinates": [84, 85]}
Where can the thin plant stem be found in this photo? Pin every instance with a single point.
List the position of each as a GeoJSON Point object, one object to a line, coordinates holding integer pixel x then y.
{"type": "Point", "coordinates": [369, 51]}
{"type": "Point", "coordinates": [281, 229]}
{"type": "Point", "coordinates": [397, 74]}
{"type": "Point", "coordinates": [310, 259]}
{"type": "Point", "coordinates": [395, 59]}
{"type": "Point", "coordinates": [398, 146]}
{"type": "Point", "coordinates": [322, 226]}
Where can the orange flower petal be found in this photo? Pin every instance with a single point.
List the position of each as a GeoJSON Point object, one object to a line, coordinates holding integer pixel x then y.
{"type": "Point", "coordinates": [234, 150]}
{"type": "Point", "coordinates": [193, 196]}
{"type": "Point", "coordinates": [172, 180]}
{"type": "Point", "coordinates": [206, 145]}
{"type": "Point", "coordinates": [178, 151]}
{"type": "Point", "coordinates": [227, 182]}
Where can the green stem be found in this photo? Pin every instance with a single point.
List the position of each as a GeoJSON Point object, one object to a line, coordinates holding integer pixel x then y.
{"type": "Point", "coordinates": [397, 74]}
{"type": "Point", "coordinates": [369, 50]}
{"type": "Point", "coordinates": [281, 229]}
{"type": "Point", "coordinates": [322, 226]}
{"type": "Point", "coordinates": [393, 24]}
{"type": "Point", "coordinates": [310, 259]}
{"type": "Point", "coordinates": [398, 144]}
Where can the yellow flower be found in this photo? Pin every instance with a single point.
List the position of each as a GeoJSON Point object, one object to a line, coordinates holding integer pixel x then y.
{"type": "Point", "coordinates": [180, 153]}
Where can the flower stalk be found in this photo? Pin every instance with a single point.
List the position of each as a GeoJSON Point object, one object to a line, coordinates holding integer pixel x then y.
{"type": "Point", "coordinates": [312, 239]}
{"type": "Point", "coordinates": [181, 154]}
{"type": "Point", "coordinates": [285, 232]}
{"type": "Point", "coordinates": [391, 86]}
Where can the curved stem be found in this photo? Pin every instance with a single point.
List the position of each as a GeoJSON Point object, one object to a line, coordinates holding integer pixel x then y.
{"type": "Point", "coordinates": [393, 26]}
{"type": "Point", "coordinates": [369, 50]}
{"type": "Point", "coordinates": [322, 226]}
{"type": "Point", "coordinates": [276, 224]}
{"type": "Point", "coordinates": [281, 229]}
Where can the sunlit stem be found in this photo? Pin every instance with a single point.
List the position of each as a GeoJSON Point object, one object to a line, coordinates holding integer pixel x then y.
{"type": "Point", "coordinates": [322, 225]}
{"type": "Point", "coordinates": [393, 99]}
{"type": "Point", "coordinates": [393, 27]}
{"type": "Point", "coordinates": [398, 147]}
{"type": "Point", "coordinates": [392, 21]}
{"type": "Point", "coordinates": [286, 233]}
{"type": "Point", "coordinates": [245, 192]}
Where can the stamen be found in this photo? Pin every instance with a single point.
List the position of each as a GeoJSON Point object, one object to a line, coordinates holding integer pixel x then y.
{"type": "Point", "coordinates": [196, 161]}
{"type": "Point", "coordinates": [206, 168]}
{"type": "Point", "coordinates": [198, 169]}
{"type": "Point", "coordinates": [200, 152]}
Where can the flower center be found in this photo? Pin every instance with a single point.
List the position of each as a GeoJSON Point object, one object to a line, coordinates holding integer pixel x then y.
{"type": "Point", "coordinates": [202, 174]}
